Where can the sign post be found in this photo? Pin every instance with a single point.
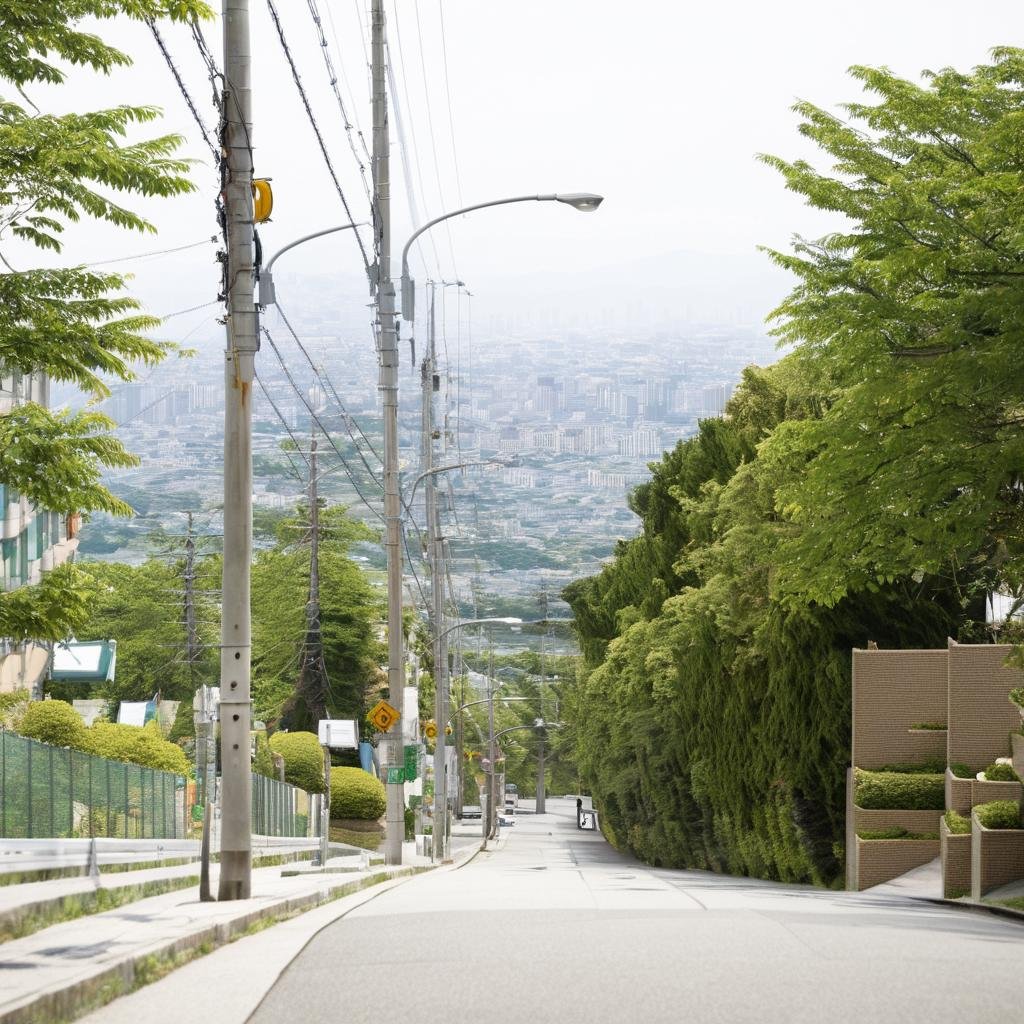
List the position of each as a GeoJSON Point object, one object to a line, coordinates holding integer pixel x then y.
{"type": "Point", "coordinates": [339, 734]}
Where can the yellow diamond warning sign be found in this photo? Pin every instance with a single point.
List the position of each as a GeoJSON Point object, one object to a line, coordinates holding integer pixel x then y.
{"type": "Point", "coordinates": [383, 715]}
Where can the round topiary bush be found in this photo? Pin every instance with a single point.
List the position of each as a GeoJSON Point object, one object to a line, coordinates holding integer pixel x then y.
{"type": "Point", "coordinates": [141, 745]}
{"type": "Point", "coordinates": [303, 759]}
{"type": "Point", "coordinates": [356, 794]}
{"type": "Point", "coordinates": [55, 722]}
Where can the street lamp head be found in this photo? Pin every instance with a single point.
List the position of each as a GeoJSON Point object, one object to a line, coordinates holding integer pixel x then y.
{"type": "Point", "coordinates": [586, 202]}
{"type": "Point", "coordinates": [509, 621]}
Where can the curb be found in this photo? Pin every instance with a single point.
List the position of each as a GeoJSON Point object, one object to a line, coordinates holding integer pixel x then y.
{"type": "Point", "coordinates": [975, 905]}
{"type": "Point", "coordinates": [148, 964]}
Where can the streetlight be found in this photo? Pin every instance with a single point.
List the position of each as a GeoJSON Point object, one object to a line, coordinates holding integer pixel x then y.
{"type": "Point", "coordinates": [441, 717]}
{"type": "Point", "coordinates": [586, 202]}
{"type": "Point", "coordinates": [446, 469]}
{"type": "Point", "coordinates": [268, 295]}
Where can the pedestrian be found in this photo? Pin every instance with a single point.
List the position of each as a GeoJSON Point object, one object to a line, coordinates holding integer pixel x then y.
{"type": "Point", "coordinates": [579, 810]}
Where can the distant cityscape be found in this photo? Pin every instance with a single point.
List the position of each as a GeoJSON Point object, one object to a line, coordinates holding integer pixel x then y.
{"type": "Point", "coordinates": [569, 419]}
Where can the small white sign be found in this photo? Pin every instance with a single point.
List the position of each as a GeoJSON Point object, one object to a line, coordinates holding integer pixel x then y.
{"type": "Point", "coordinates": [338, 733]}
{"type": "Point", "coordinates": [588, 821]}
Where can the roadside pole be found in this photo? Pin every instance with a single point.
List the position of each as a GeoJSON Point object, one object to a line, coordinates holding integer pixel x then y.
{"type": "Point", "coordinates": [387, 349]}
{"type": "Point", "coordinates": [239, 367]}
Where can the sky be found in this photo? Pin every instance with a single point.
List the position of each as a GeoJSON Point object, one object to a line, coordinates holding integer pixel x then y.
{"type": "Point", "coordinates": [662, 107]}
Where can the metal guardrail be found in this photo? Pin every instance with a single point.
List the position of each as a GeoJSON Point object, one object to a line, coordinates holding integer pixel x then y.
{"type": "Point", "coordinates": [280, 809]}
{"type": "Point", "coordinates": [52, 792]}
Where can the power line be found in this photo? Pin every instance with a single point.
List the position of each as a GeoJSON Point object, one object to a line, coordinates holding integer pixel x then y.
{"type": "Point", "coordinates": [208, 138]}
{"type": "Point", "coordinates": [316, 420]}
{"type": "Point", "coordinates": [333, 78]}
{"type": "Point", "coordinates": [284, 422]}
{"type": "Point", "coordinates": [316, 129]}
{"type": "Point", "coordinates": [415, 145]}
{"type": "Point", "coordinates": [448, 91]}
{"type": "Point", "coordinates": [191, 309]}
{"type": "Point", "coordinates": [433, 139]}
{"type": "Point", "coordinates": [158, 252]}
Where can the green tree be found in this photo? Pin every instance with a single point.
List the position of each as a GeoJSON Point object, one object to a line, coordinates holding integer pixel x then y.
{"type": "Point", "coordinates": [71, 323]}
{"type": "Point", "coordinates": [141, 607]}
{"type": "Point", "coordinates": [907, 322]}
{"type": "Point", "coordinates": [349, 611]}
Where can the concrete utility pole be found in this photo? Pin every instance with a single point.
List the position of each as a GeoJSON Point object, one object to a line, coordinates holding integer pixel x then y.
{"type": "Point", "coordinates": [239, 366]}
{"type": "Point", "coordinates": [192, 646]}
{"type": "Point", "coordinates": [437, 578]}
{"type": "Point", "coordinates": [491, 818]}
{"type": "Point", "coordinates": [541, 805]}
{"type": "Point", "coordinates": [387, 348]}
{"type": "Point", "coordinates": [312, 686]}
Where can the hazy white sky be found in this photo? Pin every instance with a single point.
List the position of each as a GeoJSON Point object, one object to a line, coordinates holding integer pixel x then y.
{"type": "Point", "coordinates": [661, 106]}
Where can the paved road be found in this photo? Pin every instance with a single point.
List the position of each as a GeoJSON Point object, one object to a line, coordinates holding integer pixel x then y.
{"type": "Point", "coordinates": [557, 926]}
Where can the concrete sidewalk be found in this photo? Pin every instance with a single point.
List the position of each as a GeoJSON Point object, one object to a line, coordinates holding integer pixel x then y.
{"type": "Point", "coordinates": [66, 970]}
{"type": "Point", "coordinates": [241, 973]}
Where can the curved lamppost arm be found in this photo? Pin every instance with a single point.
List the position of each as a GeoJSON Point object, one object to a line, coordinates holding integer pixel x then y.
{"type": "Point", "coordinates": [268, 296]}
{"type": "Point", "coordinates": [586, 202]}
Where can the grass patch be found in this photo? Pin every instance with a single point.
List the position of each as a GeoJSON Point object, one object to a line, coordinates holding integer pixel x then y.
{"type": "Point", "coordinates": [364, 840]}
{"type": "Point", "coordinates": [24, 921]}
{"type": "Point", "coordinates": [1017, 903]}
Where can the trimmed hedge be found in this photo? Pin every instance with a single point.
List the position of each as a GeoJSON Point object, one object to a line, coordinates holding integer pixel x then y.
{"type": "Point", "coordinates": [1001, 773]}
{"type": "Point", "coordinates": [356, 794]}
{"type": "Point", "coordinates": [142, 745]}
{"type": "Point", "coordinates": [895, 791]}
{"type": "Point", "coordinates": [957, 823]}
{"type": "Point", "coordinates": [55, 722]}
{"type": "Point", "coordinates": [895, 832]}
{"type": "Point", "coordinates": [303, 759]}
{"type": "Point", "coordinates": [999, 814]}
{"type": "Point", "coordinates": [931, 766]}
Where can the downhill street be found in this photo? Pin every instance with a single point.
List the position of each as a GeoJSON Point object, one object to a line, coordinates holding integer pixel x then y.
{"type": "Point", "coordinates": [556, 925]}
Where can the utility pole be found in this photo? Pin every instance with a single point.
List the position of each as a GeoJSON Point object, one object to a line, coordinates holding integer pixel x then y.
{"type": "Point", "coordinates": [191, 633]}
{"type": "Point", "coordinates": [437, 577]}
{"type": "Point", "coordinates": [541, 806]}
{"type": "Point", "coordinates": [492, 751]}
{"type": "Point", "coordinates": [312, 686]}
{"type": "Point", "coordinates": [239, 368]}
{"type": "Point", "coordinates": [387, 348]}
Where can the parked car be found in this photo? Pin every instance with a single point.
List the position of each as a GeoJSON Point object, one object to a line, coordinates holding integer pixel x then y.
{"type": "Point", "coordinates": [472, 811]}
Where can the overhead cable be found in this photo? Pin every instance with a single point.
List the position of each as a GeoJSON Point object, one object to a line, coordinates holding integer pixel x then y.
{"type": "Point", "coordinates": [316, 129]}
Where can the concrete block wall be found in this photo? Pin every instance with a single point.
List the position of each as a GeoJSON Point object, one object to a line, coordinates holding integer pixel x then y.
{"type": "Point", "coordinates": [997, 857]}
{"type": "Point", "coordinates": [892, 691]}
{"type": "Point", "coordinates": [956, 863]}
{"type": "Point", "coordinates": [881, 860]}
{"type": "Point", "coordinates": [980, 715]}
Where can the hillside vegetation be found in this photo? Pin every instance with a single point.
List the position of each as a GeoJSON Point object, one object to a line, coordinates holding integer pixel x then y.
{"type": "Point", "coordinates": [865, 487]}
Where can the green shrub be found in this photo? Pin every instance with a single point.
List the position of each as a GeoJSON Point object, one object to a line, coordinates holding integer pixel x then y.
{"type": "Point", "coordinates": [930, 766]}
{"type": "Point", "coordinates": [930, 726]}
{"type": "Point", "coordinates": [961, 771]}
{"type": "Point", "coordinates": [1001, 773]}
{"type": "Point", "coordinates": [895, 832]}
{"type": "Point", "coordinates": [134, 744]}
{"type": "Point", "coordinates": [303, 759]}
{"type": "Point", "coordinates": [356, 794]}
{"type": "Point", "coordinates": [999, 814]}
{"type": "Point", "coordinates": [957, 823]}
{"type": "Point", "coordinates": [55, 722]}
{"type": "Point", "coordinates": [897, 791]}
{"type": "Point", "coordinates": [263, 762]}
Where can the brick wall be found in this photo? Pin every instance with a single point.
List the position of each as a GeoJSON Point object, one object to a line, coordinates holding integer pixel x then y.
{"type": "Point", "coordinates": [881, 860]}
{"type": "Point", "coordinates": [893, 690]}
{"type": "Point", "coordinates": [997, 857]}
{"type": "Point", "coordinates": [981, 716]}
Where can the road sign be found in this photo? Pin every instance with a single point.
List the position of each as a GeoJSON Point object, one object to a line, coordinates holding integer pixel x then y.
{"type": "Point", "coordinates": [412, 762]}
{"type": "Point", "coordinates": [338, 733]}
{"type": "Point", "coordinates": [430, 730]}
{"type": "Point", "coordinates": [396, 774]}
{"type": "Point", "coordinates": [588, 821]}
{"type": "Point", "coordinates": [383, 715]}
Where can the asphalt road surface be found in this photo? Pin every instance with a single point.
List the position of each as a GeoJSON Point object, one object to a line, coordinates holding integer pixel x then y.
{"type": "Point", "coordinates": [558, 926]}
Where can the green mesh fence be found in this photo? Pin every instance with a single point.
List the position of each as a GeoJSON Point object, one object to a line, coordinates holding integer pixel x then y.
{"type": "Point", "coordinates": [278, 809]}
{"type": "Point", "coordinates": [54, 793]}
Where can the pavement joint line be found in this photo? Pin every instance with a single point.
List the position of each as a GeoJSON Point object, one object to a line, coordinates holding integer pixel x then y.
{"type": "Point", "coordinates": [145, 964]}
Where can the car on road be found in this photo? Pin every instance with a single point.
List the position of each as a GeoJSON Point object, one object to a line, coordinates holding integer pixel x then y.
{"type": "Point", "coordinates": [472, 811]}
